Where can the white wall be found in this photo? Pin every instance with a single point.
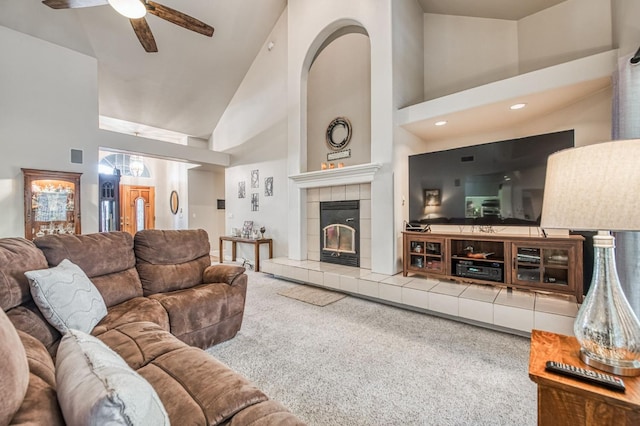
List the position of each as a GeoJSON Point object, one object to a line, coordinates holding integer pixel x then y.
{"type": "Point", "coordinates": [339, 85]}
{"type": "Point", "coordinates": [626, 26]}
{"type": "Point", "coordinates": [408, 89]}
{"type": "Point", "coordinates": [48, 106]}
{"type": "Point", "coordinates": [462, 52]}
{"type": "Point", "coordinates": [408, 52]}
{"type": "Point", "coordinates": [570, 30]}
{"type": "Point", "coordinates": [253, 130]}
{"type": "Point", "coordinates": [205, 188]}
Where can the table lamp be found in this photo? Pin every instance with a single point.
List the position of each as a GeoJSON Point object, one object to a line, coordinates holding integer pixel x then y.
{"type": "Point", "coordinates": [596, 188]}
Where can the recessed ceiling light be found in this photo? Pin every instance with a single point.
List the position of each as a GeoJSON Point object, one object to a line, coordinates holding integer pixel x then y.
{"type": "Point", "coordinates": [440, 123]}
{"type": "Point", "coordinates": [517, 106]}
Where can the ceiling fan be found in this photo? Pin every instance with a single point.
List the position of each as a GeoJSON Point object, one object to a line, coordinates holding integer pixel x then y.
{"type": "Point", "coordinates": [135, 10]}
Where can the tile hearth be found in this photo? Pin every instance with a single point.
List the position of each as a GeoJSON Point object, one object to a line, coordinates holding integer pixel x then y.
{"type": "Point", "coordinates": [512, 311]}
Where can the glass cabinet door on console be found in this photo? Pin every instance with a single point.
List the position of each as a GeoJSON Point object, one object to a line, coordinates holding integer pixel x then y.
{"type": "Point", "coordinates": [425, 254]}
{"type": "Point", "coordinates": [51, 203]}
{"type": "Point", "coordinates": [544, 267]}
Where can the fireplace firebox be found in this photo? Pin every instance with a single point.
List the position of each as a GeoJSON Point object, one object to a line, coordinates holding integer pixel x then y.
{"type": "Point", "coordinates": [340, 232]}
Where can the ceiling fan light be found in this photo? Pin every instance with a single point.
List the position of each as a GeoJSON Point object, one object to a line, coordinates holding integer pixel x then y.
{"type": "Point", "coordinates": [133, 9]}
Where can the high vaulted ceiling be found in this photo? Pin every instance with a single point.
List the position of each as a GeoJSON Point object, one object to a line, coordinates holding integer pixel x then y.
{"type": "Point", "coordinates": [187, 85]}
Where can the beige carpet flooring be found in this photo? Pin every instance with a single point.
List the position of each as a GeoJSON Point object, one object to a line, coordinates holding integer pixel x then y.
{"type": "Point", "coordinates": [356, 362]}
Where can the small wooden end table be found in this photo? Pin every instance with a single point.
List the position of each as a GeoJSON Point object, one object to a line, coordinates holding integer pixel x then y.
{"type": "Point", "coordinates": [256, 242]}
{"type": "Point", "coordinates": [567, 401]}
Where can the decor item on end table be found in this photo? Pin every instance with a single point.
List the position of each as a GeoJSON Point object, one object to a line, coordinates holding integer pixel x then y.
{"type": "Point", "coordinates": [592, 188]}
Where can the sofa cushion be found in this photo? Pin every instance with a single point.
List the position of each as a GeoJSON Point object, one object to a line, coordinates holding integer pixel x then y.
{"type": "Point", "coordinates": [171, 260]}
{"type": "Point", "coordinates": [17, 255]}
{"type": "Point", "coordinates": [118, 287]}
{"type": "Point", "coordinates": [40, 404]}
{"type": "Point", "coordinates": [96, 386]}
{"type": "Point", "coordinates": [133, 310]}
{"type": "Point", "coordinates": [29, 319]}
{"type": "Point", "coordinates": [265, 414]}
{"type": "Point", "coordinates": [201, 307]}
{"type": "Point", "coordinates": [140, 343]}
{"type": "Point", "coordinates": [66, 297]}
{"type": "Point", "coordinates": [195, 388]}
{"type": "Point", "coordinates": [106, 257]}
{"type": "Point", "coordinates": [14, 370]}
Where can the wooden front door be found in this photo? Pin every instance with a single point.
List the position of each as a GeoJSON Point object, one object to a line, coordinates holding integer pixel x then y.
{"type": "Point", "coordinates": [137, 208]}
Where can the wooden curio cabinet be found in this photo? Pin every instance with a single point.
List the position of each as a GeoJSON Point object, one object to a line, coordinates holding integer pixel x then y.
{"type": "Point", "coordinates": [51, 203]}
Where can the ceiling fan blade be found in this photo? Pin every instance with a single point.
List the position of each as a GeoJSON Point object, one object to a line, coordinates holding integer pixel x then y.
{"type": "Point", "coordinates": [179, 18]}
{"type": "Point", "coordinates": [142, 30]}
{"type": "Point", "coordinates": [73, 4]}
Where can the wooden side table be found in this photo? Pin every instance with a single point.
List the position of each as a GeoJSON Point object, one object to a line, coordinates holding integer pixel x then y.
{"type": "Point", "coordinates": [256, 243]}
{"type": "Point", "coordinates": [567, 401]}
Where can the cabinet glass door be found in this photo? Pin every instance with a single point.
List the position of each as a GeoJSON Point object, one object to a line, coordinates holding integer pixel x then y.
{"type": "Point", "coordinates": [541, 265]}
{"type": "Point", "coordinates": [426, 255]}
{"type": "Point", "coordinates": [51, 203]}
{"type": "Point", "coordinates": [556, 266]}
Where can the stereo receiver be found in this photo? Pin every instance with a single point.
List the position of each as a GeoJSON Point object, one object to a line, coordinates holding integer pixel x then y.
{"type": "Point", "coordinates": [487, 271]}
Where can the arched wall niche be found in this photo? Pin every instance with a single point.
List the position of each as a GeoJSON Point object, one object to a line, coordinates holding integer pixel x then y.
{"type": "Point", "coordinates": [339, 85]}
{"type": "Point", "coordinates": [324, 37]}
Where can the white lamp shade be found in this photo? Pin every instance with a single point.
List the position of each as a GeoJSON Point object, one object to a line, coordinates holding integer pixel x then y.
{"type": "Point", "coordinates": [594, 187]}
{"type": "Point", "coordinates": [133, 9]}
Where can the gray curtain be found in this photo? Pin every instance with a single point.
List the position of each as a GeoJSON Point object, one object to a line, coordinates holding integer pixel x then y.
{"type": "Point", "coordinates": [626, 125]}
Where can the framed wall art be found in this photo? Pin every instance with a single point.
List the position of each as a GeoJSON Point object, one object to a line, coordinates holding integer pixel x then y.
{"type": "Point", "coordinates": [242, 190]}
{"type": "Point", "coordinates": [268, 187]}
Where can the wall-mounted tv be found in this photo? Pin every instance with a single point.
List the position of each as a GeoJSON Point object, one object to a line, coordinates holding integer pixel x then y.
{"type": "Point", "coordinates": [497, 183]}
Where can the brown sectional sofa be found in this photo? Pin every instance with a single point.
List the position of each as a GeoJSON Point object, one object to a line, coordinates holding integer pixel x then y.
{"type": "Point", "coordinates": [165, 303]}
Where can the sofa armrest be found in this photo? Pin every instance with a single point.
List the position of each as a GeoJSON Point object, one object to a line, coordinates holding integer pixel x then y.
{"type": "Point", "coordinates": [222, 274]}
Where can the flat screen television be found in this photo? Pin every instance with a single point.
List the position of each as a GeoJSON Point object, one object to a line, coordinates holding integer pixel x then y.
{"type": "Point", "coordinates": [497, 183]}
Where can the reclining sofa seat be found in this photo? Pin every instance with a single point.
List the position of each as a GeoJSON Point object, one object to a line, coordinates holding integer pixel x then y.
{"type": "Point", "coordinates": [205, 304]}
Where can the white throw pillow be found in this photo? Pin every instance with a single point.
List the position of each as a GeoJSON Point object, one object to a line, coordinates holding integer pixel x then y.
{"type": "Point", "coordinates": [66, 297]}
{"type": "Point", "coordinates": [95, 386]}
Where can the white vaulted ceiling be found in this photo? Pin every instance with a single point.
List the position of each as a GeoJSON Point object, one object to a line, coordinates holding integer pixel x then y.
{"type": "Point", "coordinates": [187, 85]}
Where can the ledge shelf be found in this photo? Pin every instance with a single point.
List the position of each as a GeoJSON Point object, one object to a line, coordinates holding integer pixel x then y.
{"type": "Point", "coordinates": [350, 175]}
{"type": "Point", "coordinates": [484, 107]}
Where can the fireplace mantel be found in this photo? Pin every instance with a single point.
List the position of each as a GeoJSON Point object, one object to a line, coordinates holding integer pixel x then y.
{"type": "Point", "coordinates": [361, 173]}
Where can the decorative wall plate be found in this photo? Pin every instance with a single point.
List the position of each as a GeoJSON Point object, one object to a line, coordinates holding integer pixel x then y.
{"type": "Point", "coordinates": [338, 133]}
